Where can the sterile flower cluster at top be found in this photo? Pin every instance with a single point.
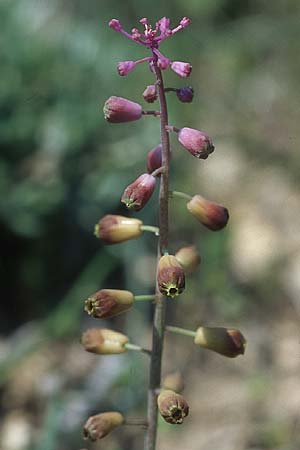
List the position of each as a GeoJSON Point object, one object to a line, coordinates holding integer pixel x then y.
{"type": "Point", "coordinates": [152, 38]}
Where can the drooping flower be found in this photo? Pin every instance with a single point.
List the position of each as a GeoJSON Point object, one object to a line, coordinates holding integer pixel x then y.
{"type": "Point", "coordinates": [172, 407]}
{"type": "Point", "coordinates": [210, 214]}
{"type": "Point", "coordinates": [119, 109]}
{"type": "Point", "coordinates": [196, 142]}
{"type": "Point", "coordinates": [138, 193]}
{"type": "Point", "coordinates": [183, 69]}
{"type": "Point", "coordinates": [154, 158]}
{"type": "Point", "coordinates": [170, 276]}
{"type": "Point", "coordinates": [108, 303]}
{"type": "Point", "coordinates": [103, 341]}
{"type": "Point", "coordinates": [185, 94]}
{"type": "Point", "coordinates": [98, 426]}
{"type": "Point", "coordinates": [225, 341]}
{"type": "Point", "coordinates": [113, 229]}
{"type": "Point", "coordinates": [150, 93]}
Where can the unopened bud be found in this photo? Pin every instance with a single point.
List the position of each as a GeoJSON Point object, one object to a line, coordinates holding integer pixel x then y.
{"type": "Point", "coordinates": [137, 194]}
{"type": "Point", "coordinates": [170, 276]}
{"type": "Point", "coordinates": [196, 142]}
{"type": "Point", "coordinates": [119, 109]}
{"type": "Point", "coordinates": [174, 382]}
{"type": "Point", "coordinates": [115, 24]}
{"type": "Point", "coordinates": [225, 341]}
{"type": "Point", "coordinates": [183, 69]}
{"type": "Point", "coordinates": [150, 93]}
{"type": "Point", "coordinates": [124, 67]}
{"type": "Point", "coordinates": [210, 214]}
{"type": "Point", "coordinates": [188, 258]}
{"type": "Point", "coordinates": [103, 341]}
{"type": "Point", "coordinates": [113, 229]}
{"type": "Point", "coordinates": [172, 406]}
{"type": "Point", "coordinates": [108, 303]}
{"type": "Point", "coordinates": [97, 427]}
{"type": "Point", "coordinates": [154, 158]}
{"type": "Point", "coordinates": [185, 94]}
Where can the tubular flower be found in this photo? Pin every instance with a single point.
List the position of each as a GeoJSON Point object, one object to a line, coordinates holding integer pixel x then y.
{"type": "Point", "coordinates": [189, 258]}
{"type": "Point", "coordinates": [172, 407]}
{"type": "Point", "coordinates": [196, 142]}
{"type": "Point", "coordinates": [225, 341]}
{"type": "Point", "coordinates": [119, 109]}
{"type": "Point", "coordinates": [210, 214]}
{"type": "Point", "coordinates": [98, 426]}
{"type": "Point", "coordinates": [124, 67]}
{"type": "Point", "coordinates": [108, 303]}
{"type": "Point", "coordinates": [183, 69]}
{"type": "Point", "coordinates": [170, 276]}
{"type": "Point", "coordinates": [154, 158]}
{"type": "Point", "coordinates": [137, 194]}
{"type": "Point", "coordinates": [103, 341]}
{"type": "Point", "coordinates": [113, 229]}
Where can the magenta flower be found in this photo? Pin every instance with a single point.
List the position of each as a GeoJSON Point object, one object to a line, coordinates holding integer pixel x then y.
{"type": "Point", "coordinates": [119, 109]}
{"type": "Point", "coordinates": [124, 67]}
{"type": "Point", "coordinates": [196, 142]}
{"type": "Point", "coordinates": [154, 159]}
{"type": "Point", "coordinates": [182, 69]}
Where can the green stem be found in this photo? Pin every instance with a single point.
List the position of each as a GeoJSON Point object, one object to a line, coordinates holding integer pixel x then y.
{"type": "Point", "coordinates": [150, 228]}
{"type": "Point", "coordinates": [180, 195]}
{"type": "Point", "coordinates": [137, 348]}
{"type": "Point", "coordinates": [142, 298]}
{"type": "Point", "coordinates": [181, 331]}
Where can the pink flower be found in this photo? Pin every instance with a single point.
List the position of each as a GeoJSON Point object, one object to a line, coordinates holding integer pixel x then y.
{"type": "Point", "coordinates": [115, 24]}
{"type": "Point", "coordinates": [182, 69]}
{"type": "Point", "coordinates": [154, 158]}
{"type": "Point", "coordinates": [124, 67]}
{"type": "Point", "coordinates": [119, 109]}
{"type": "Point", "coordinates": [196, 142]}
{"type": "Point", "coordinates": [137, 194]}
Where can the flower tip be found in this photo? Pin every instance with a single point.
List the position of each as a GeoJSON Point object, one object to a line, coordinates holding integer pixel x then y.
{"type": "Point", "coordinates": [185, 21]}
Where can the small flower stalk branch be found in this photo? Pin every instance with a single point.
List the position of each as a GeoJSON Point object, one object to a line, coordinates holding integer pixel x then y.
{"type": "Point", "coordinates": [164, 395]}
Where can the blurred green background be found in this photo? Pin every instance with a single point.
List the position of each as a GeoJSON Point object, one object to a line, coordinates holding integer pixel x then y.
{"type": "Point", "coordinates": [62, 167]}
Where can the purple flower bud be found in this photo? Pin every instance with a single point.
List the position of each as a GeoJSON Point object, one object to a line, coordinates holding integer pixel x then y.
{"type": "Point", "coordinates": [182, 69]}
{"type": "Point", "coordinates": [163, 62]}
{"type": "Point", "coordinates": [137, 194]}
{"type": "Point", "coordinates": [164, 25]}
{"type": "Point", "coordinates": [210, 214]}
{"type": "Point", "coordinates": [225, 341]}
{"type": "Point", "coordinates": [154, 158]}
{"type": "Point", "coordinates": [150, 93]}
{"type": "Point", "coordinates": [196, 142]}
{"type": "Point", "coordinates": [185, 21]}
{"type": "Point", "coordinates": [119, 109]}
{"type": "Point", "coordinates": [115, 24]}
{"type": "Point", "coordinates": [124, 67]}
{"type": "Point", "coordinates": [185, 94]}
{"type": "Point", "coordinates": [170, 276]}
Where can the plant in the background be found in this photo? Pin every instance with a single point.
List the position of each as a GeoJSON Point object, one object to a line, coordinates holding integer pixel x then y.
{"type": "Point", "coordinates": [171, 269]}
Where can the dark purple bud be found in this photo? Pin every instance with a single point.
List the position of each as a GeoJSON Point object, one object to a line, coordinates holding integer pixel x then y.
{"type": "Point", "coordinates": [182, 69]}
{"type": "Point", "coordinates": [170, 276]}
{"type": "Point", "coordinates": [196, 142]}
{"type": "Point", "coordinates": [137, 194]}
{"type": "Point", "coordinates": [185, 94]}
{"type": "Point", "coordinates": [124, 67]}
{"type": "Point", "coordinates": [150, 93]}
{"type": "Point", "coordinates": [210, 214]}
{"type": "Point", "coordinates": [119, 109]}
{"type": "Point", "coordinates": [154, 158]}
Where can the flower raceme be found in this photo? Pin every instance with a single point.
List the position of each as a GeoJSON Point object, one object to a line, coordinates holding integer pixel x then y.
{"type": "Point", "coordinates": [210, 214]}
{"type": "Point", "coordinates": [225, 341]}
{"type": "Point", "coordinates": [170, 276]}
{"type": "Point", "coordinates": [108, 303]}
{"type": "Point", "coordinates": [98, 426]}
{"type": "Point", "coordinates": [137, 194]}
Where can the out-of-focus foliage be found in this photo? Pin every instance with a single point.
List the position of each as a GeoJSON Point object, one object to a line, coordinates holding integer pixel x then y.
{"type": "Point", "coordinates": [62, 167]}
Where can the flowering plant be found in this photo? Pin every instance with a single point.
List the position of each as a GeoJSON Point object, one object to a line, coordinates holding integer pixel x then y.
{"type": "Point", "coordinates": [164, 397]}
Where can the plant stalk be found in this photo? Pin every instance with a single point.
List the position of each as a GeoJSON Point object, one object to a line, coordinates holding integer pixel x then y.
{"type": "Point", "coordinates": [160, 306]}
